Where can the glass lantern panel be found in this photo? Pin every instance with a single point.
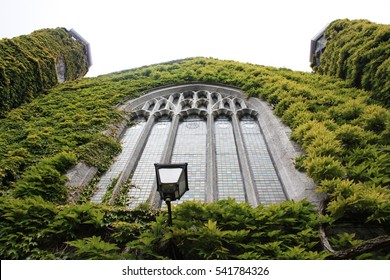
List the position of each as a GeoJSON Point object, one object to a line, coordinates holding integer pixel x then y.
{"type": "Point", "coordinates": [170, 175]}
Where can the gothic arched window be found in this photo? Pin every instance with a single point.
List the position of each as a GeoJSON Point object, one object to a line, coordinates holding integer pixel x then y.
{"type": "Point", "coordinates": [212, 128]}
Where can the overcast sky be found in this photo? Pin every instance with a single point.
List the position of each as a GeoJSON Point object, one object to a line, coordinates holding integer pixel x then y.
{"type": "Point", "coordinates": [125, 34]}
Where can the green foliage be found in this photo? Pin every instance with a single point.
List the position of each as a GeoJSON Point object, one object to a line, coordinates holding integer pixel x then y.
{"type": "Point", "coordinates": [32, 228]}
{"type": "Point", "coordinates": [362, 202]}
{"type": "Point", "coordinates": [22, 226]}
{"type": "Point", "coordinates": [88, 191]}
{"type": "Point", "coordinates": [296, 114]}
{"type": "Point", "coordinates": [78, 220]}
{"type": "Point", "coordinates": [43, 181]}
{"type": "Point", "coordinates": [343, 135]}
{"type": "Point", "coordinates": [93, 248]}
{"type": "Point", "coordinates": [369, 164]}
{"type": "Point", "coordinates": [122, 197]}
{"type": "Point", "coordinates": [46, 180]}
{"type": "Point", "coordinates": [99, 152]}
{"type": "Point", "coordinates": [35, 229]}
{"type": "Point", "coordinates": [374, 118]}
{"type": "Point", "coordinates": [352, 136]}
{"type": "Point", "coordinates": [327, 145]}
{"type": "Point", "coordinates": [344, 240]}
{"type": "Point", "coordinates": [110, 190]}
{"type": "Point", "coordinates": [28, 65]}
{"type": "Point", "coordinates": [124, 232]}
{"type": "Point", "coordinates": [358, 51]}
{"type": "Point", "coordinates": [323, 168]}
{"type": "Point", "coordinates": [349, 110]}
{"type": "Point", "coordinates": [14, 161]}
{"type": "Point", "coordinates": [230, 230]}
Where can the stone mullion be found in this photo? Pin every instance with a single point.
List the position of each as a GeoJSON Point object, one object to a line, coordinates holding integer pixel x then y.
{"type": "Point", "coordinates": [247, 176]}
{"type": "Point", "coordinates": [168, 149]}
{"type": "Point", "coordinates": [166, 156]}
{"type": "Point", "coordinates": [211, 165]}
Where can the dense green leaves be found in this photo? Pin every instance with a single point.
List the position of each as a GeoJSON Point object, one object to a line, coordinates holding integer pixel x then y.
{"type": "Point", "coordinates": [28, 65]}
{"type": "Point", "coordinates": [93, 248]}
{"type": "Point", "coordinates": [357, 200]}
{"type": "Point", "coordinates": [358, 51]}
{"type": "Point", "coordinates": [22, 225]}
{"type": "Point", "coordinates": [35, 229]}
{"type": "Point", "coordinates": [344, 137]}
{"type": "Point", "coordinates": [230, 230]}
{"type": "Point", "coordinates": [46, 180]}
{"type": "Point", "coordinates": [32, 228]}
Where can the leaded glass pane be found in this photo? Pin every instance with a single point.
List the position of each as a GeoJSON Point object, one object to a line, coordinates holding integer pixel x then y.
{"type": "Point", "coordinates": [229, 179]}
{"type": "Point", "coordinates": [266, 179]}
{"type": "Point", "coordinates": [128, 142]}
{"type": "Point", "coordinates": [145, 175]}
{"type": "Point", "coordinates": [190, 146]}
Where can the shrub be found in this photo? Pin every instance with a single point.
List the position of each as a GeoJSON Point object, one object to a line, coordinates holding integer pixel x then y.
{"type": "Point", "coordinates": [316, 131]}
{"type": "Point", "coordinates": [230, 230]}
{"type": "Point", "coordinates": [286, 102]}
{"type": "Point", "coordinates": [298, 134]}
{"type": "Point", "coordinates": [99, 152]}
{"type": "Point", "coordinates": [15, 161]}
{"type": "Point", "coordinates": [77, 221]}
{"type": "Point", "coordinates": [44, 181]}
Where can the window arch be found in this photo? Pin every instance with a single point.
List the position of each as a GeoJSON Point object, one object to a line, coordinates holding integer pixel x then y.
{"type": "Point", "coordinates": [213, 128]}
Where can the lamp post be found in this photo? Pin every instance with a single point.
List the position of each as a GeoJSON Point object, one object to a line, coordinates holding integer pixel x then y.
{"type": "Point", "coordinates": [172, 183]}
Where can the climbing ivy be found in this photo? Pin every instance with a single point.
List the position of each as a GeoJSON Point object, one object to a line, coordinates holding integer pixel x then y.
{"type": "Point", "coordinates": [358, 52]}
{"type": "Point", "coordinates": [28, 65]}
{"type": "Point", "coordinates": [344, 136]}
{"type": "Point", "coordinates": [32, 228]}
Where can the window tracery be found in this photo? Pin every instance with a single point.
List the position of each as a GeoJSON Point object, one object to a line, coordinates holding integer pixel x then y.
{"type": "Point", "coordinates": [216, 133]}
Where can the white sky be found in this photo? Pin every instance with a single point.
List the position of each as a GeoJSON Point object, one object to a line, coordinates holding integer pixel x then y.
{"type": "Point", "coordinates": [127, 34]}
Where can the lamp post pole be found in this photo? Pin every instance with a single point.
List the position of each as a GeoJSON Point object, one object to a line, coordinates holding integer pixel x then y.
{"type": "Point", "coordinates": [172, 183]}
{"type": "Point", "coordinates": [168, 202]}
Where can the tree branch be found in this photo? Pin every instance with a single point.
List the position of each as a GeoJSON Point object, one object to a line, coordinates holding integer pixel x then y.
{"type": "Point", "coordinates": [369, 245]}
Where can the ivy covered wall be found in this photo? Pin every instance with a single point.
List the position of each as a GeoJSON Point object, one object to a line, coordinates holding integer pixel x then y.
{"type": "Point", "coordinates": [29, 65]}
{"type": "Point", "coordinates": [343, 132]}
{"type": "Point", "coordinates": [358, 52]}
{"type": "Point", "coordinates": [344, 135]}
